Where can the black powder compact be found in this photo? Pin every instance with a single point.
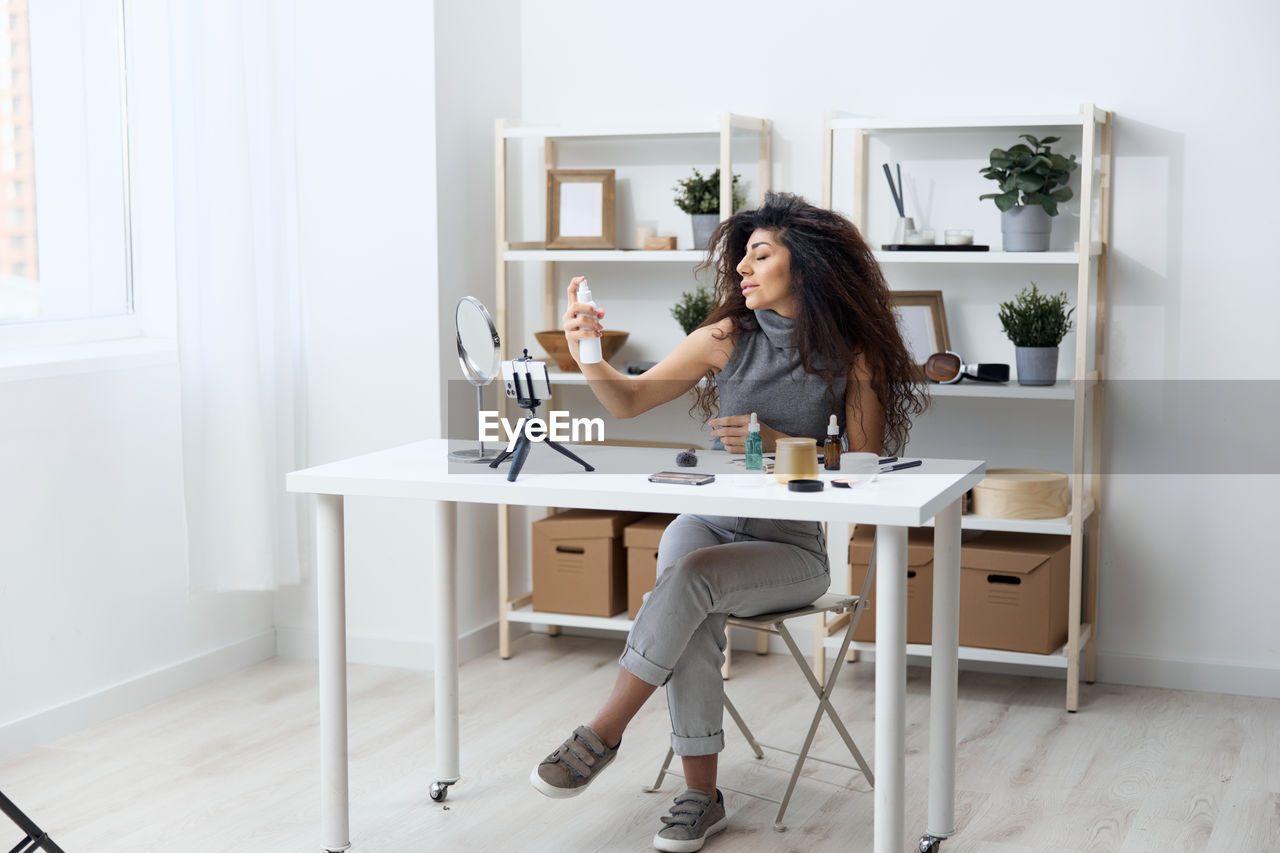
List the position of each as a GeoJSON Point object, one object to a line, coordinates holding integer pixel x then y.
{"type": "Point", "coordinates": [804, 486]}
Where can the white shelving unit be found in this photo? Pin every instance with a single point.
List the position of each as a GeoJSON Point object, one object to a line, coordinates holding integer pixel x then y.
{"type": "Point", "coordinates": [972, 389]}
{"type": "Point", "coordinates": [1092, 126]}
{"type": "Point", "coordinates": [718, 131]}
{"type": "Point", "coordinates": [684, 256]}
{"type": "Point", "coordinates": [1064, 258]}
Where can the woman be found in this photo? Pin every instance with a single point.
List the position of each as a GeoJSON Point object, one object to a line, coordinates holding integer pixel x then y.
{"type": "Point", "coordinates": [803, 328]}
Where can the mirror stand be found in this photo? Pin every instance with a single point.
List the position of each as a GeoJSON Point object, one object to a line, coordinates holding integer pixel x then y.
{"type": "Point", "coordinates": [475, 454]}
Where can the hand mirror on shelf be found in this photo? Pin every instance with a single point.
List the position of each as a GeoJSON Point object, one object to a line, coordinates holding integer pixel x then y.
{"type": "Point", "coordinates": [479, 353]}
{"type": "Point", "coordinates": [948, 368]}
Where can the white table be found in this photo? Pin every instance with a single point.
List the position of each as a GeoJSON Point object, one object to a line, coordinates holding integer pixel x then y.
{"type": "Point", "coordinates": [422, 471]}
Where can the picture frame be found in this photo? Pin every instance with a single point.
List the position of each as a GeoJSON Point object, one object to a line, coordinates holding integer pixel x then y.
{"type": "Point", "coordinates": [922, 321]}
{"type": "Point", "coordinates": [580, 209]}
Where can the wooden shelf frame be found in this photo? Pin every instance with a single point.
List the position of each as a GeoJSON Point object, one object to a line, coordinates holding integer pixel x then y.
{"type": "Point", "coordinates": [719, 129]}
{"type": "Point", "coordinates": [1079, 655]}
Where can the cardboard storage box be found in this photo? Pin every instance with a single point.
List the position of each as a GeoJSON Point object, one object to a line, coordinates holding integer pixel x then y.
{"type": "Point", "coordinates": [919, 583]}
{"type": "Point", "coordinates": [641, 539]}
{"type": "Point", "coordinates": [1013, 591]}
{"type": "Point", "coordinates": [578, 562]}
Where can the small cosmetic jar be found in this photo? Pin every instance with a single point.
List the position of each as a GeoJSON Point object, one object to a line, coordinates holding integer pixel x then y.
{"type": "Point", "coordinates": [805, 485]}
{"type": "Point", "coordinates": [795, 459]}
{"type": "Point", "coordinates": [959, 237]}
{"type": "Point", "coordinates": [859, 468]}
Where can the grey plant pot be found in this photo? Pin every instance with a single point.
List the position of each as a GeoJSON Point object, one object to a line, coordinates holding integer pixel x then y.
{"type": "Point", "coordinates": [703, 225]}
{"type": "Point", "coordinates": [1025, 228]}
{"type": "Point", "coordinates": [1037, 365]}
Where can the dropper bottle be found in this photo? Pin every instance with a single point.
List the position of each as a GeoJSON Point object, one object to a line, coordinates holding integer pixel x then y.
{"type": "Point", "coordinates": [755, 445]}
{"type": "Point", "coordinates": [831, 450]}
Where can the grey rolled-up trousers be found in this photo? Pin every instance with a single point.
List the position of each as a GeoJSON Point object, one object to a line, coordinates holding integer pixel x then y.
{"type": "Point", "coordinates": [709, 568]}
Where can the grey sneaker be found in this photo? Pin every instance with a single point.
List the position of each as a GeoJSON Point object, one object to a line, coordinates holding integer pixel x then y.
{"type": "Point", "coordinates": [693, 819]}
{"type": "Point", "coordinates": [568, 770]}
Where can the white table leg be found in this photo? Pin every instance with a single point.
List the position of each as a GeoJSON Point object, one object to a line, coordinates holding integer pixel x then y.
{"type": "Point", "coordinates": [891, 686]}
{"type": "Point", "coordinates": [944, 672]}
{"type": "Point", "coordinates": [446, 642]}
{"type": "Point", "coordinates": [331, 601]}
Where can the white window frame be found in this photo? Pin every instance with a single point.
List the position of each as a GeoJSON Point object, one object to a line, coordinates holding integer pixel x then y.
{"type": "Point", "coordinates": [20, 336]}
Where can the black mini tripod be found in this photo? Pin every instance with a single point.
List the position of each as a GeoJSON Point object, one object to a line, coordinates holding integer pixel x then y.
{"type": "Point", "coordinates": [521, 386]}
{"type": "Point", "coordinates": [36, 838]}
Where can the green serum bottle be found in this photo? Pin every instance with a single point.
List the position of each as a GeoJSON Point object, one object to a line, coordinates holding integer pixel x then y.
{"type": "Point", "coordinates": [755, 446]}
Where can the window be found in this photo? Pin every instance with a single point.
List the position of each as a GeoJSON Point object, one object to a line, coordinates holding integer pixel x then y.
{"type": "Point", "coordinates": [63, 163]}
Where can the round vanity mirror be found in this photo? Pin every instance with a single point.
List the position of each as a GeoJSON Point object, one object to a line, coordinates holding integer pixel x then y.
{"type": "Point", "coordinates": [478, 342]}
{"type": "Point", "coordinates": [480, 355]}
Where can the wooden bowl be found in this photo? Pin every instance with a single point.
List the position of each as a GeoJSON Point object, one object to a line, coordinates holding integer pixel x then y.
{"type": "Point", "coordinates": [1022, 493]}
{"type": "Point", "coordinates": [558, 348]}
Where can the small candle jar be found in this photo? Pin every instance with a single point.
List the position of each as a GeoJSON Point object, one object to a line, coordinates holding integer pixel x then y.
{"type": "Point", "coordinates": [959, 237]}
{"type": "Point", "coordinates": [795, 458]}
{"type": "Point", "coordinates": [922, 237]}
{"type": "Point", "coordinates": [859, 468]}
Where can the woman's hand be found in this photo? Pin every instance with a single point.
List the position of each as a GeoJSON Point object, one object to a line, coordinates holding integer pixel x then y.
{"type": "Point", "coordinates": [732, 432]}
{"type": "Point", "coordinates": [577, 328]}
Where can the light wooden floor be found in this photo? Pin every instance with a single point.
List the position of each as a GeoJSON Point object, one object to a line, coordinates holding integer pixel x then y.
{"type": "Point", "coordinates": [233, 766]}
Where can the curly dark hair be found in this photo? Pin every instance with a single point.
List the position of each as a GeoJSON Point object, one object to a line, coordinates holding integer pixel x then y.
{"type": "Point", "coordinates": [845, 309]}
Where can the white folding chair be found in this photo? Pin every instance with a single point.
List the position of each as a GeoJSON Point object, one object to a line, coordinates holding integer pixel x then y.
{"type": "Point", "coordinates": [832, 604]}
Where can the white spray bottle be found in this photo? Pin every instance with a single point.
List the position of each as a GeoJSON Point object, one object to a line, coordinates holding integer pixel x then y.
{"type": "Point", "coordinates": [588, 348]}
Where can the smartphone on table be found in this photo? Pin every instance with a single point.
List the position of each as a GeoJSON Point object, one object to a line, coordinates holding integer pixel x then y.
{"type": "Point", "coordinates": [682, 478]}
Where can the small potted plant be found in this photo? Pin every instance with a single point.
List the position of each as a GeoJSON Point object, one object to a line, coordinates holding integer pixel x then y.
{"type": "Point", "coordinates": [692, 308]}
{"type": "Point", "coordinates": [699, 197]}
{"type": "Point", "coordinates": [1036, 323]}
{"type": "Point", "coordinates": [1038, 177]}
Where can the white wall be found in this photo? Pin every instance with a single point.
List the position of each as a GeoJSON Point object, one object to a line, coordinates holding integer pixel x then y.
{"type": "Point", "coordinates": [1188, 581]}
{"type": "Point", "coordinates": [94, 610]}
{"type": "Point", "coordinates": [366, 129]}
{"type": "Point", "coordinates": [95, 614]}
{"type": "Point", "coordinates": [474, 89]}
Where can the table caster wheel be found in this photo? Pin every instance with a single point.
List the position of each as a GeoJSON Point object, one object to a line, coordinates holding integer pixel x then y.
{"type": "Point", "coordinates": [439, 790]}
{"type": "Point", "coordinates": [929, 844]}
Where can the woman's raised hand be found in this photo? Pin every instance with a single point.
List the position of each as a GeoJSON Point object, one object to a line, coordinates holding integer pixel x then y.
{"type": "Point", "coordinates": [576, 328]}
{"type": "Point", "coordinates": [732, 432]}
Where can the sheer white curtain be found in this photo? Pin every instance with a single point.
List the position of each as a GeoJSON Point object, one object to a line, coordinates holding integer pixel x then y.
{"type": "Point", "coordinates": [240, 341]}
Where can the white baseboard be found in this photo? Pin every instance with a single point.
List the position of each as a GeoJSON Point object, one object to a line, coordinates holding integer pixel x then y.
{"type": "Point", "coordinates": [404, 652]}
{"type": "Point", "coordinates": [40, 728]}
{"type": "Point", "coordinates": [1205, 676]}
{"type": "Point", "coordinates": [1202, 676]}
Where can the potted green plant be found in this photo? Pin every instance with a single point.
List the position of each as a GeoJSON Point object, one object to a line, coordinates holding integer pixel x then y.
{"type": "Point", "coordinates": [692, 308]}
{"type": "Point", "coordinates": [1036, 323]}
{"type": "Point", "coordinates": [1033, 182]}
{"type": "Point", "coordinates": [699, 197]}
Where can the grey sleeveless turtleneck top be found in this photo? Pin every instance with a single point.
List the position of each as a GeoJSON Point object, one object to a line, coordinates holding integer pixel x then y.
{"type": "Point", "coordinates": [764, 375]}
